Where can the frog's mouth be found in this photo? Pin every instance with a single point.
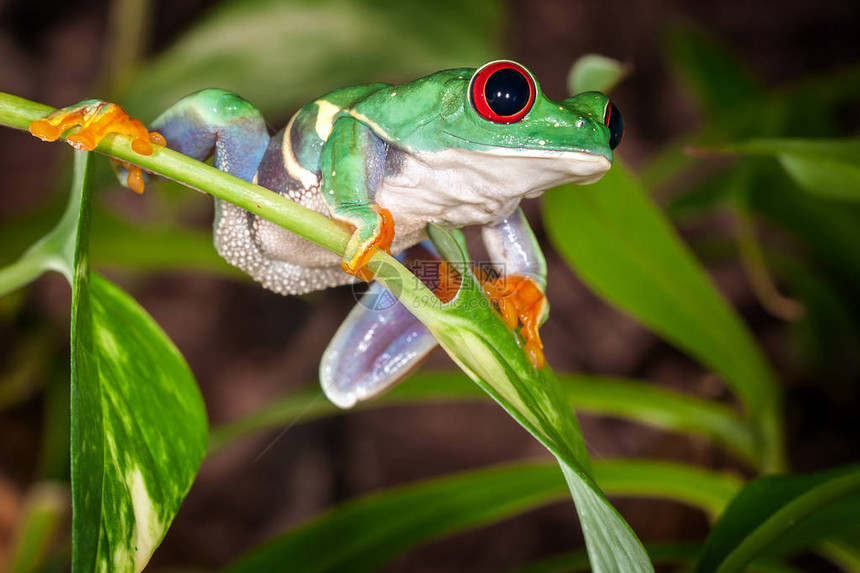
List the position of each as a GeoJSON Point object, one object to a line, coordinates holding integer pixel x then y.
{"type": "Point", "coordinates": [532, 152]}
{"type": "Point", "coordinates": [537, 169]}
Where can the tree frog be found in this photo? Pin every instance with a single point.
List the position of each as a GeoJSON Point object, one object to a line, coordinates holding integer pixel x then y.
{"type": "Point", "coordinates": [459, 147]}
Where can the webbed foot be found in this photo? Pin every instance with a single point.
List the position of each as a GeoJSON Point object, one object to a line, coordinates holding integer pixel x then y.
{"type": "Point", "coordinates": [520, 300]}
{"type": "Point", "coordinates": [97, 119]}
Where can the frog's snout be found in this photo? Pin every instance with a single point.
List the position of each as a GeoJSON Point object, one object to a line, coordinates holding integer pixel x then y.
{"type": "Point", "coordinates": [589, 106]}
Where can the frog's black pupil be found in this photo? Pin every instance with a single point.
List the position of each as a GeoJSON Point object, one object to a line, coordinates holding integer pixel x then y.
{"type": "Point", "coordinates": [507, 92]}
{"type": "Point", "coordinates": [616, 127]}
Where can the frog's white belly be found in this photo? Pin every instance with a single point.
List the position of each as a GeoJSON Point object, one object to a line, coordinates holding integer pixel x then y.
{"type": "Point", "coordinates": [453, 188]}
{"type": "Point", "coordinates": [458, 188]}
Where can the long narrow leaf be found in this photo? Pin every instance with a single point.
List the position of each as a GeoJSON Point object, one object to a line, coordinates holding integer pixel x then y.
{"type": "Point", "coordinates": [364, 534]}
{"type": "Point", "coordinates": [665, 553]}
{"type": "Point", "coordinates": [825, 167]}
{"type": "Point", "coordinates": [477, 339]}
{"type": "Point", "coordinates": [770, 508]}
{"type": "Point", "coordinates": [707, 490]}
{"type": "Point", "coordinates": [625, 249]}
{"type": "Point", "coordinates": [628, 399]}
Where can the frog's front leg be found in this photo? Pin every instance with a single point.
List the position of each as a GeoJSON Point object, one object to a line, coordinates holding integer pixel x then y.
{"type": "Point", "coordinates": [519, 292]}
{"type": "Point", "coordinates": [353, 164]}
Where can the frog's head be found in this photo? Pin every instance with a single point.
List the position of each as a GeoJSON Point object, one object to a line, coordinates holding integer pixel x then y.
{"type": "Point", "coordinates": [501, 110]}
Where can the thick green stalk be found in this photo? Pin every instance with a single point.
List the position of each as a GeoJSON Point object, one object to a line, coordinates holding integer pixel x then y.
{"type": "Point", "coordinates": [18, 113]}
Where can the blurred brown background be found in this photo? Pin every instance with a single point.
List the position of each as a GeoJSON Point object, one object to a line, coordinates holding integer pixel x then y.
{"type": "Point", "coordinates": [247, 346]}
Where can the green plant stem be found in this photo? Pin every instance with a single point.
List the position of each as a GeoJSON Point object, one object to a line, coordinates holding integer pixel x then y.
{"type": "Point", "coordinates": [752, 257]}
{"type": "Point", "coordinates": [18, 113]}
{"type": "Point", "coordinates": [45, 511]}
{"type": "Point", "coordinates": [21, 272]}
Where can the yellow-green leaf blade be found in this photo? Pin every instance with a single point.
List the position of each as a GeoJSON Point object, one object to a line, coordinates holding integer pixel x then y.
{"type": "Point", "coordinates": [364, 534]}
{"type": "Point", "coordinates": [138, 422]}
{"type": "Point", "coordinates": [593, 72]}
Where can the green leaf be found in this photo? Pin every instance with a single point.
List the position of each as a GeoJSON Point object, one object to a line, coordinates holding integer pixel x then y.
{"type": "Point", "coordinates": [138, 421]}
{"type": "Point", "coordinates": [663, 553]}
{"type": "Point", "coordinates": [718, 77]}
{"type": "Point", "coordinates": [829, 228]}
{"type": "Point", "coordinates": [652, 405]}
{"type": "Point", "coordinates": [844, 552]}
{"type": "Point", "coordinates": [578, 560]}
{"type": "Point", "coordinates": [282, 54]}
{"type": "Point", "coordinates": [477, 339]}
{"type": "Point", "coordinates": [593, 72]}
{"type": "Point", "coordinates": [707, 490]}
{"type": "Point", "coordinates": [826, 167]}
{"type": "Point", "coordinates": [623, 247]}
{"type": "Point", "coordinates": [628, 399]}
{"type": "Point", "coordinates": [365, 534]}
{"type": "Point", "coordinates": [772, 507]}
{"type": "Point", "coordinates": [41, 522]}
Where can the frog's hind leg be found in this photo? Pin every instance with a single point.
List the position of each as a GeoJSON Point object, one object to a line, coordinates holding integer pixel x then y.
{"type": "Point", "coordinates": [378, 344]}
{"type": "Point", "coordinates": [381, 342]}
{"type": "Point", "coordinates": [219, 123]}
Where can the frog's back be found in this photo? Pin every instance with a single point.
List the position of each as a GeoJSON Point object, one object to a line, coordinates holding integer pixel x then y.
{"type": "Point", "coordinates": [291, 167]}
{"type": "Point", "coordinates": [291, 164]}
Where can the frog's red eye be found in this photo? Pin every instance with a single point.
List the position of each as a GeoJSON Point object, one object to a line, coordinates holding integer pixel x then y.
{"type": "Point", "coordinates": [613, 119]}
{"type": "Point", "coordinates": [502, 92]}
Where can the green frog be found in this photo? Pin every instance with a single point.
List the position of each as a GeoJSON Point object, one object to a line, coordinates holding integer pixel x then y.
{"type": "Point", "coordinates": [456, 148]}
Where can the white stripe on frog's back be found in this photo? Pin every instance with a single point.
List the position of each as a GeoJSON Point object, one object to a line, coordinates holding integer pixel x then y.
{"type": "Point", "coordinates": [326, 112]}
{"type": "Point", "coordinates": [458, 187]}
{"type": "Point", "coordinates": [305, 176]}
{"type": "Point", "coordinates": [323, 124]}
{"type": "Point", "coordinates": [325, 118]}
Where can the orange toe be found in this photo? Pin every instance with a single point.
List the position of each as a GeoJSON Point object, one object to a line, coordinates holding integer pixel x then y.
{"type": "Point", "coordinates": [520, 301]}
{"type": "Point", "coordinates": [44, 130]}
{"type": "Point", "coordinates": [383, 241]}
{"type": "Point", "coordinates": [96, 120]}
